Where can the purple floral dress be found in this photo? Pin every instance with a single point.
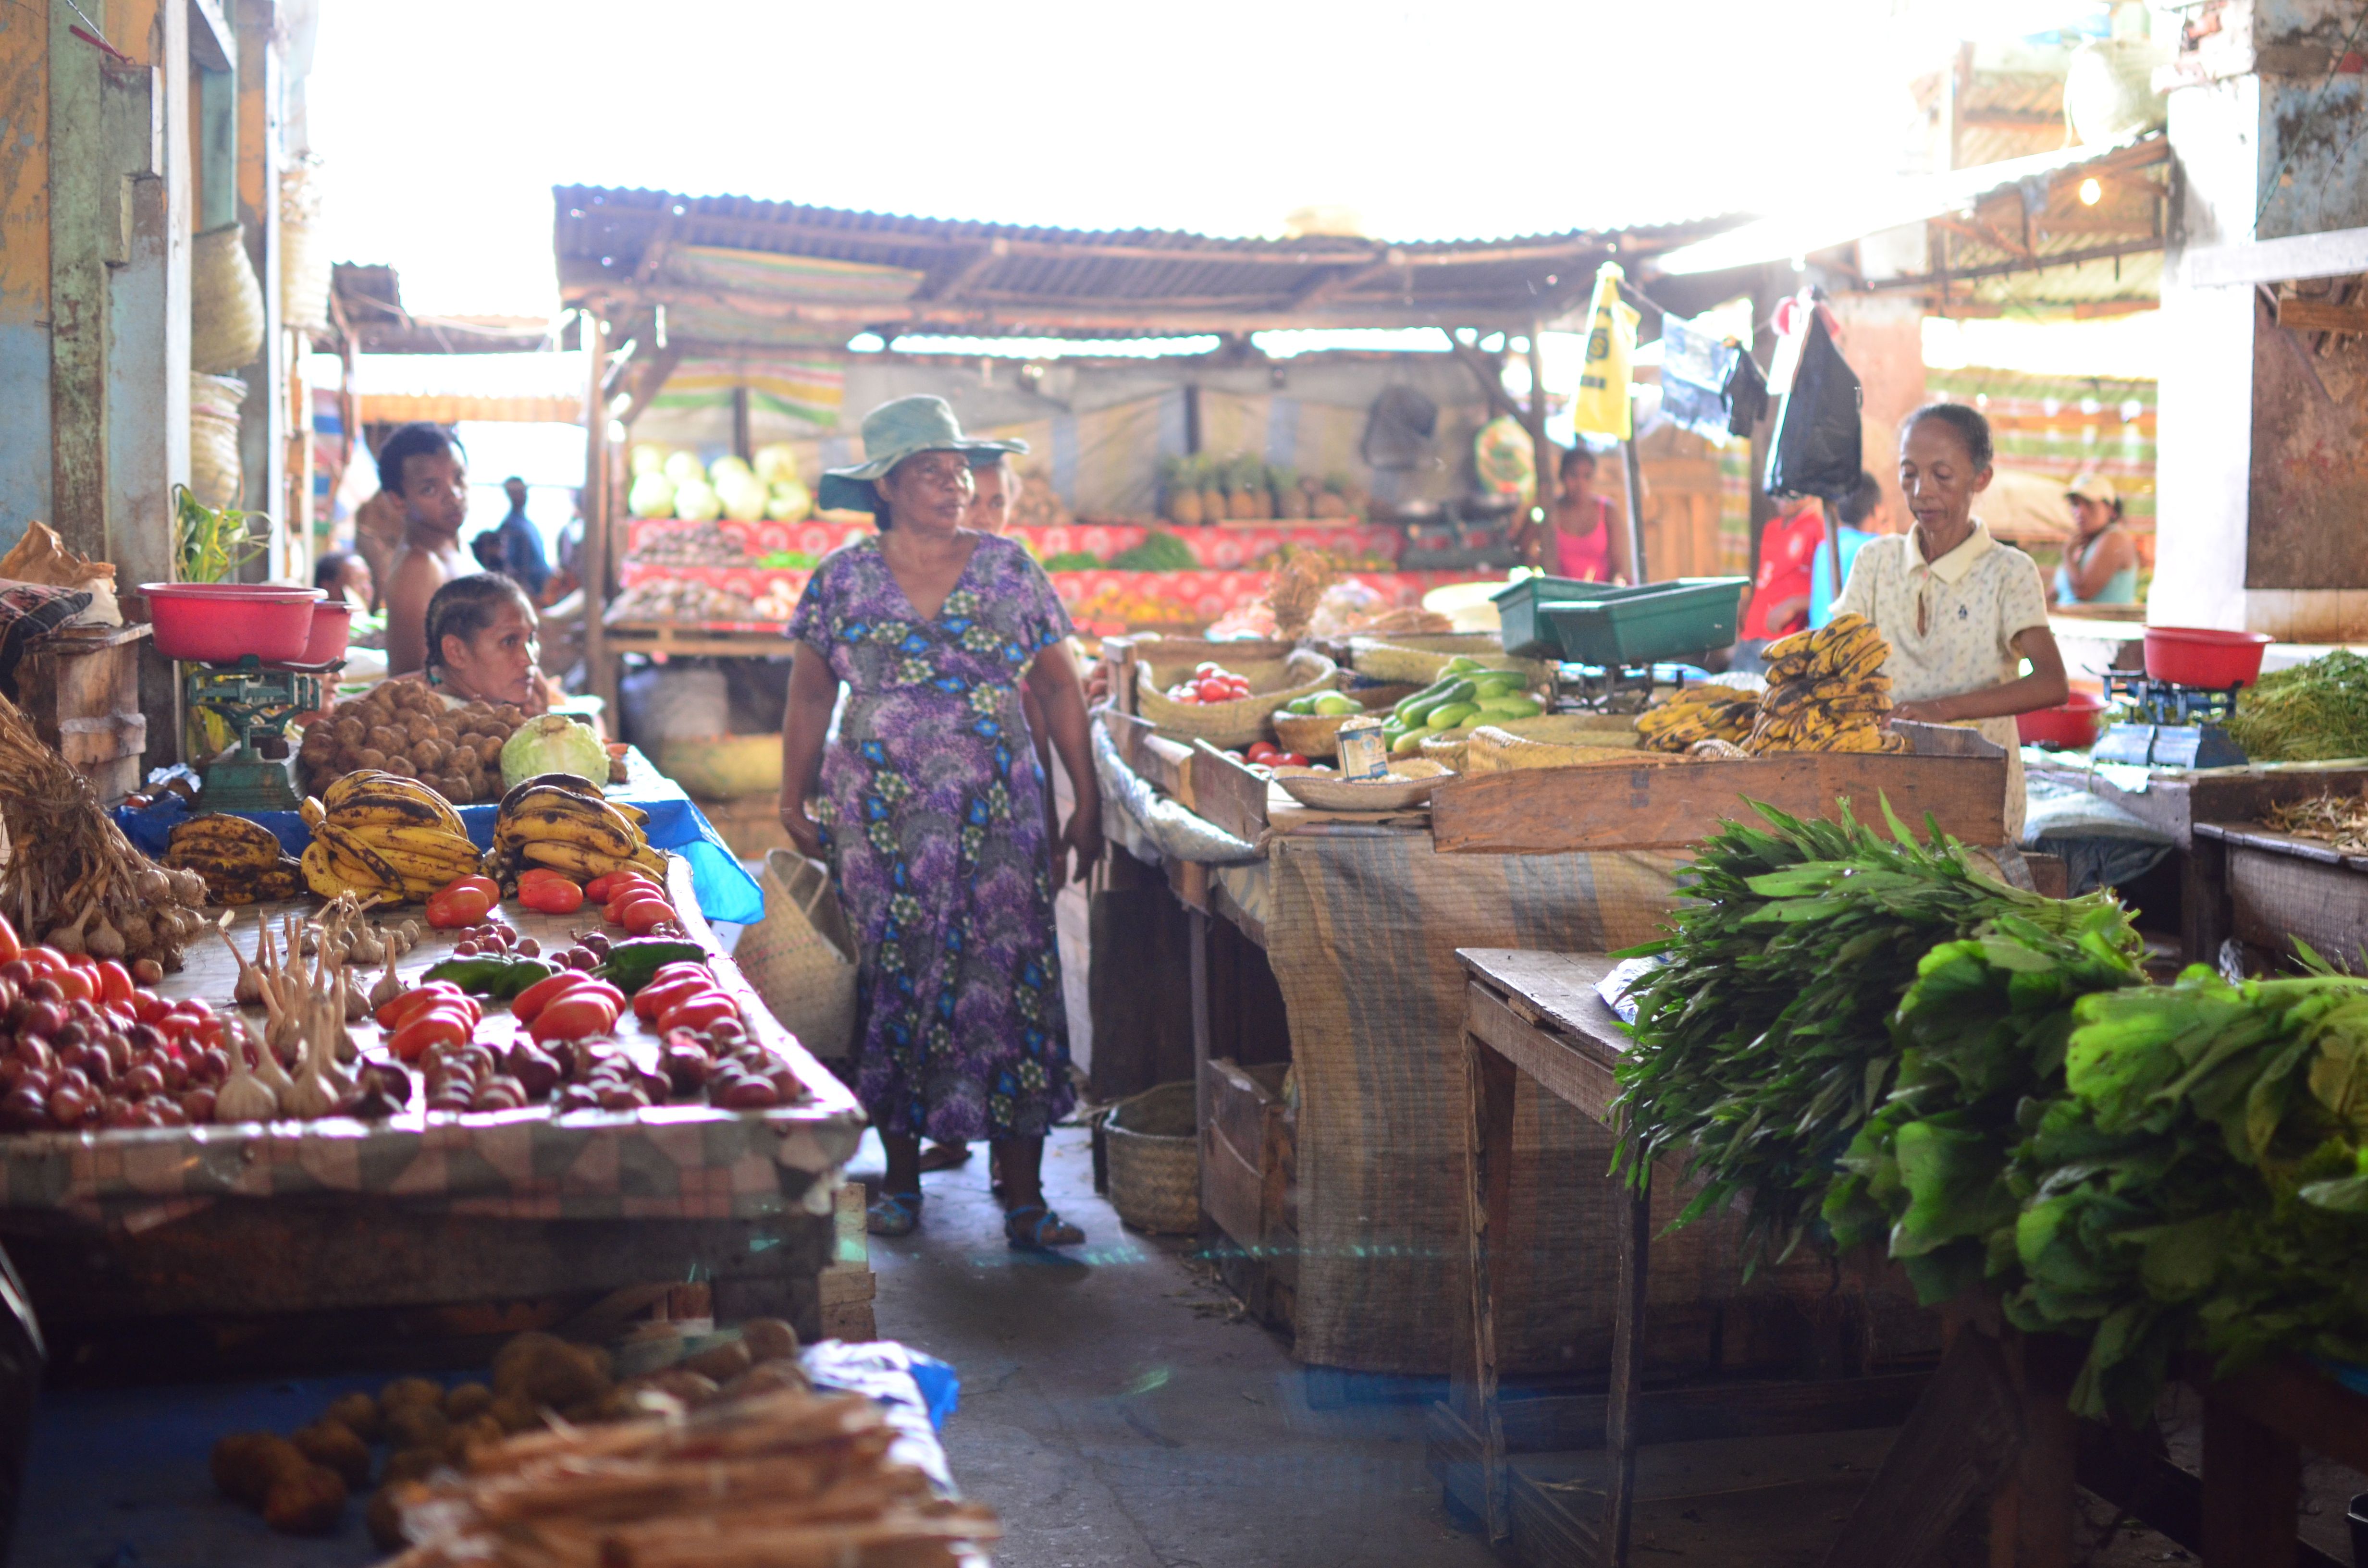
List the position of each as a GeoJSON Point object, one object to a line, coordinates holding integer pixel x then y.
{"type": "Point", "coordinates": [936, 826]}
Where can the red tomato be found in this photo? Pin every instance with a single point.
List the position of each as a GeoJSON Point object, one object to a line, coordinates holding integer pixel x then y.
{"type": "Point", "coordinates": [643, 916]}
{"type": "Point", "coordinates": [436, 1025]}
{"type": "Point", "coordinates": [615, 912]}
{"type": "Point", "coordinates": [655, 997]}
{"type": "Point", "coordinates": [1286, 759]}
{"type": "Point", "coordinates": [149, 1007]}
{"type": "Point", "coordinates": [698, 1011]}
{"type": "Point", "coordinates": [540, 874]}
{"type": "Point", "coordinates": [457, 907]}
{"type": "Point", "coordinates": [487, 885]}
{"type": "Point", "coordinates": [1205, 668]}
{"type": "Point", "coordinates": [1260, 750]}
{"type": "Point", "coordinates": [574, 1017]}
{"type": "Point", "coordinates": [556, 896]}
{"type": "Point", "coordinates": [411, 1002]}
{"type": "Point", "coordinates": [114, 982]}
{"type": "Point", "coordinates": [535, 997]}
{"type": "Point", "coordinates": [598, 888]}
{"type": "Point", "coordinates": [79, 985]}
{"type": "Point", "coordinates": [45, 960]}
{"type": "Point", "coordinates": [10, 948]}
{"type": "Point", "coordinates": [83, 960]}
{"type": "Point", "coordinates": [1213, 690]}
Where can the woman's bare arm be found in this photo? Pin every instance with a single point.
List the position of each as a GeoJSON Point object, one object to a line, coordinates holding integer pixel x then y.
{"type": "Point", "coordinates": [2113, 553]}
{"type": "Point", "coordinates": [1052, 677]}
{"type": "Point", "coordinates": [805, 726]}
{"type": "Point", "coordinates": [2045, 686]}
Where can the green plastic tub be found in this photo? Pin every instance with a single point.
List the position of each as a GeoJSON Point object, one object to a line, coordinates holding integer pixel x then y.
{"type": "Point", "coordinates": [1640, 626]}
{"type": "Point", "coordinates": [1527, 633]}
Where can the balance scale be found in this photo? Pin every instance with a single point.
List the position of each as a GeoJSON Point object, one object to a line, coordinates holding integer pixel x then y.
{"type": "Point", "coordinates": [2170, 726]}
{"type": "Point", "coordinates": [257, 702]}
{"type": "Point", "coordinates": [1617, 688]}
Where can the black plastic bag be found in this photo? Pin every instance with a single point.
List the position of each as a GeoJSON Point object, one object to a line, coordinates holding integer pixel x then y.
{"type": "Point", "coordinates": [1817, 446]}
{"type": "Point", "coordinates": [1400, 430]}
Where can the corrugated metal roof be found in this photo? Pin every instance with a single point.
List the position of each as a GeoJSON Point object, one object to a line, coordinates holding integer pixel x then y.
{"type": "Point", "coordinates": [631, 249]}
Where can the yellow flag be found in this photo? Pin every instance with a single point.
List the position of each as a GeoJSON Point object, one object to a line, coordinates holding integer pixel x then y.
{"type": "Point", "coordinates": [1601, 406]}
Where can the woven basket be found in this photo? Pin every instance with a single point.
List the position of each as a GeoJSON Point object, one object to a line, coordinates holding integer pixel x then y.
{"type": "Point", "coordinates": [1401, 661]}
{"type": "Point", "coordinates": [1310, 734]}
{"type": "Point", "coordinates": [1410, 783]}
{"type": "Point", "coordinates": [1494, 749]}
{"type": "Point", "coordinates": [226, 302]}
{"type": "Point", "coordinates": [1154, 1144]}
{"type": "Point", "coordinates": [801, 957]}
{"type": "Point", "coordinates": [215, 476]}
{"type": "Point", "coordinates": [1447, 748]}
{"type": "Point", "coordinates": [1225, 724]}
{"type": "Point", "coordinates": [304, 249]}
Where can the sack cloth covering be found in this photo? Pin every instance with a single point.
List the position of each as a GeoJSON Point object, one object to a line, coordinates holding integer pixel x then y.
{"type": "Point", "coordinates": [30, 612]}
{"type": "Point", "coordinates": [1362, 933]}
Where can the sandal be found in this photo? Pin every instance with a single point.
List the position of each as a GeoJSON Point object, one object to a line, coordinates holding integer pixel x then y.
{"type": "Point", "coordinates": [1041, 1234]}
{"type": "Point", "coordinates": [945, 1156]}
{"type": "Point", "coordinates": [893, 1214]}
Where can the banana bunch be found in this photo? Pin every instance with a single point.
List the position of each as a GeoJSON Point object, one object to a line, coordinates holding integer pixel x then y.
{"type": "Point", "coordinates": [375, 832]}
{"type": "Point", "coordinates": [1697, 713]}
{"type": "Point", "coordinates": [238, 859]}
{"type": "Point", "coordinates": [565, 822]}
{"type": "Point", "coordinates": [1825, 691]}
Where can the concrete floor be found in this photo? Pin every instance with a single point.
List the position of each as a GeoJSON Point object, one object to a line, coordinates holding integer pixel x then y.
{"type": "Point", "coordinates": [1119, 1412]}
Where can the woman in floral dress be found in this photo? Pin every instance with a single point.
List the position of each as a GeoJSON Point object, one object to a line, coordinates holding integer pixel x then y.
{"type": "Point", "coordinates": [931, 810]}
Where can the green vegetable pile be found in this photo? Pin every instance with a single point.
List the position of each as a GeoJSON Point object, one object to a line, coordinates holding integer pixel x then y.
{"type": "Point", "coordinates": [2313, 712]}
{"type": "Point", "coordinates": [1862, 1034]}
{"type": "Point", "coordinates": [1763, 1041]}
{"type": "Point", "coordinates": [1073, 560]}
{"type": "Point", "coordinates": [1160, 551]}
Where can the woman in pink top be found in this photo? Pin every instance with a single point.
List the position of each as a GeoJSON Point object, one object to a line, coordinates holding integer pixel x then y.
{"type": "Point", "coordinates": [1581, 542]}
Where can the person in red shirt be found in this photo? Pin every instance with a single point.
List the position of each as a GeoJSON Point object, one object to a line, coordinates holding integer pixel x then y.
{"type": "Point", "coordinates": [1780, 593]}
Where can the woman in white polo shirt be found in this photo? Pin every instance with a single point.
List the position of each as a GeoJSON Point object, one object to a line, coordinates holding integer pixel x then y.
{"type": "Point", "coordinates": [1961, 611]}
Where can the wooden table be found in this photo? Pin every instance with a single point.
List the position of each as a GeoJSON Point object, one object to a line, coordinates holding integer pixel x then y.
{"type": "Point", "coordinates": [2176, 802]}
{"type": "Point", "coordinates": [1537, 1015]}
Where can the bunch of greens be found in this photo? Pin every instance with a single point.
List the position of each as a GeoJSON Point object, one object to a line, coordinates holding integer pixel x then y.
{"type": "Point", "coordinates": [1763, 1040]}
{"type": "Point", "coordinates": [1982, 1035]}
{"type": "Point", "coordinates": [2203, 1180]}
{"type": "Point", "coordinates": [1073, 560]}
{"type": "Point", "coordinates": [2313, 712]}
{"type": "Point", "coordinates": [1160, 551]}
{"type": "Point", "coordinates": [212, 543]}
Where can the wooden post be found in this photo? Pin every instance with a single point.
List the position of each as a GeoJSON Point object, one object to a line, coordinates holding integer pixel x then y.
{"type": "Point", "coordinates": [599, 665]}
{"type": "Point", "coordinates": [1545, 456]}
{"type": "Point", "coordinates": [742, 443]}
{"type": "Point", "coordinates": [1626, 1393]}
{"type": "Point", "coordinates": [264, 417]}
{"type": "Point", "coordinates": [1491, 1087]}
{"type": "Point", "coordinates": [85, 227]}
{"type": "Point", "coordinates": [1636, 509]}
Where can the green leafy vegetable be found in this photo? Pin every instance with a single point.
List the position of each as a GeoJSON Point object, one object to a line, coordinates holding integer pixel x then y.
{"type": "Point", "coordinates": [2313, 712]}
{"type": "Point", "coordinates": [212, 543]}
{"type": "Point", "coordinates": [1160, 551]}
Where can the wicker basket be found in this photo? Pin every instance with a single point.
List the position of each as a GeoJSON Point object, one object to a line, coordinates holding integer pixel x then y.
{"type": "Point", "coordinates": [1152, 1140]}
{"type": "Point", "coordinates": [1409, 784]}
{"type": "Point", "coordinates": [304, 249]}
{"type": "Point", "coordinates": [215, 476]}
{"type": "Point", "coordinates": [1225, 724]}
{"type": "Point", "coordinates": [1310, 734]}
{"type": "Point", "coordinates": [1495, 749]}
{"type": "Point", "coordinates": [226, 302]}
{"type": "Point", "coordinates": [1402, 661]}
{"type": "Point", "coordinates": [1447, 748]}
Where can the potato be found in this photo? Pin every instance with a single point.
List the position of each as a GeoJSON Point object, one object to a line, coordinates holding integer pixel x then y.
{"type": "Point", "coordinates": [455, 788]}
{"type": "Point", "coordinates": [351, 732]}
{"type": "Point", "coordinates": [306, 1502]}
{"type": "Point", "coordinates": [384, 1517]}
{"type": "Point", "coordinates": [370, 756]}
{"type": "Point", "coordinates": [489, 752]}
{"type": "Point", "coordinates": [358, 1412]}
{"type": "Point", "coordinates": [416, 1425]}
{"type": "Point", "coordinates": [402, 766]}
{"type": "Point", "coordinates": [388, 738]}
{"type": "Point", "coordinates": [410, 1390]}
{"type": "Point", "coordinates": [516, 1413]}
{"type": "Point", "coordinates": [549, 1370]}
{"type": "Point", "coordinates": [467, 1402]}
{"type": "Point", "coordinates": [723, 1362]}
{"type": "Point", "coordinates": [510, 714]}
{"type": "Point", "coordinates": [410, 1464]}
{"type": "Point", "coordinates": [768, 1339]}
{"type": "Point", "coordinates": [333, 1444]}
{"type": "Point", "coordinates": [245, 1464]}
{"type": "Point", "coordinates": [426, 751]}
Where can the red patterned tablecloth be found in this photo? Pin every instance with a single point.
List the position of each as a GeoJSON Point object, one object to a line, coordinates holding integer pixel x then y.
{"type": "Point", "coordinates": [1226, 549]}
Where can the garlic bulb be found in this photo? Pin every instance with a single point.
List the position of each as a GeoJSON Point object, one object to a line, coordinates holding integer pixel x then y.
{"type": "Point", "coordinates": [104, 941]}
{"type": "Point", "coordinates": [69, 938]}
{"type": "Point", "coordinates": [365, 944]}
{"type": "Point", "coordinates": [354, 1005]}
{"type": "Point", "coordinates": [388, 987]}
{"type": "Point", "coordinates": [244, 1097]}
{"type": "Point", "coordinates": [248, 993]}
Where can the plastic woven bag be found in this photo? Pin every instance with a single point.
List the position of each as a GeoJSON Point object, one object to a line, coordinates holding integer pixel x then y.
{"type": "Point", "coordinates": [801, 957]}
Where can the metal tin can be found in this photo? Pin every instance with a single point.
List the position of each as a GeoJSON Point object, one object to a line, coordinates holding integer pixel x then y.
{"type": "Point", "coordinates": [1362, 756]}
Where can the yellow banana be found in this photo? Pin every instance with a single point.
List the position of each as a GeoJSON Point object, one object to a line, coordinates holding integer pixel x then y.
{"type": "Point", "coordinates": [435, 842]}
{"type": "Point", "coordinates": [318, 875]}
{"type": "Point", "coordinates": [533, 827]}
{"type": "Point", "coordinates": [591, 808]}
{"type": "Point", "coordinates": [650, 859]}
{"type": "Point", "coordinates": [344, 843]}
{"type": "Point", "coordinates": [313, 812]}
{"type": "Point", "coordinates": [576, 859]}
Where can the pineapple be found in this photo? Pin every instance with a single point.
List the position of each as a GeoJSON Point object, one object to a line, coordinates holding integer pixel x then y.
{"type": "Point", "coordinates": [1290, 500]}
{"type": "Point", "coordinates": [1239, 507]}
{"type": "Point", "coordinates": [1180, 483]}
{"type": "Point", "coordinates": [1212, 491]}
{"type": "Point", "coordinates": [1249, 480]}
{"type": "Point", "coordinates": [1332, 501]}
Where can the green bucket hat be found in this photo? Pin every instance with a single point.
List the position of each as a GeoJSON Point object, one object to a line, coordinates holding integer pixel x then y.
{"type": "Point", "coordinates": [892, 432]}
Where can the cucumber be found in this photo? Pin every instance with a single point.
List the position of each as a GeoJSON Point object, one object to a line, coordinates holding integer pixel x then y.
{"type": "Point", "coordinates": [1335, 705]}
{"type": "Point", "coordinates": [1449, 716]}
{"type": "Point", "coordinates": [1419, 712]}
{"type": "Point", "coordinates": [1512, 708]}
{"type": "Point", "coordinates": [1499, 686]}
{"type": "Point", "coordinates": [1462, 664]}
{"type": "Point", "coordinates": [1409, 743]}
{"type": "Point", "coordinates": [1435, 690]}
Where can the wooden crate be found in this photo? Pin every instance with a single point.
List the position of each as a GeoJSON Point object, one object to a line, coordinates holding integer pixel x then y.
{"type": "Point", "coordinates": [81, 688]}
{"type": "Point", "coordinates": [1248, 1180]}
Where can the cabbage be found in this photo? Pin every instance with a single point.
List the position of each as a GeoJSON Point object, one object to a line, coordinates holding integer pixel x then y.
{"type": "Point", "coordinates": [743, 495]}
{"type": "Point", "coordinates": [695, 501]}
{"type": "Point", "coordinates": [727, 467]}
{"type": "Point", "coordinates": [788, 502]}
{"type": "Point", "coordinates": [553, 744]}
{"type": "Point", "coordinates": [651, 496]}
{"type": "Point", "coordinates": [683, 467]}
{"type": "Point", "coordinates": [777, 463]}
{"type": "Point", "coordinates": [648, 458]}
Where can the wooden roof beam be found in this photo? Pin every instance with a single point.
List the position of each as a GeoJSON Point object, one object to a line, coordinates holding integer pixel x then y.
{"type": "Point", "coordinates": [649, 378]}
{"type": "Point", "coordinates": [967, 271]}
{"type": "Point", "coordinates": [1334, 282]}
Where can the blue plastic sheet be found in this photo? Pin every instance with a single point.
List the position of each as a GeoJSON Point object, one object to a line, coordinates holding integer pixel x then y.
{"type": "Point", "coordinates": [723, 887]}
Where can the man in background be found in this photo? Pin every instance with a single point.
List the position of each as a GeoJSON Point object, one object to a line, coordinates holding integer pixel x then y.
{"type": "Point", "coordinates": [1780, 592]}
{"type": "Point", "coordinates": [522, 554]}
{"type": "Point", "coordinates": [426, 474]}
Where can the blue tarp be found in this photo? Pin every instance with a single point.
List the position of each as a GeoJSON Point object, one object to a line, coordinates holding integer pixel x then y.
{"type": "Point", "coordinates": [724, 889]}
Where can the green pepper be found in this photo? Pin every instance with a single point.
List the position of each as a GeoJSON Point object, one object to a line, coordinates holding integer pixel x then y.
{"type": "Point", "coordinates": [631, 964]}
{"type": "Point", "coordinates": [490, 977]}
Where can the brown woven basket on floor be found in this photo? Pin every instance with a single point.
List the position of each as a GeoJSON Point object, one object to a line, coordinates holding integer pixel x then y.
{"type": "Point", "coordinates": [1155, 1159]}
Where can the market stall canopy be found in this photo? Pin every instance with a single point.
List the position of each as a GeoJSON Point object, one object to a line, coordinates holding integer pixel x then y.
{"type": "Point", "coordinates": [366, 302]}
{"type": "Point", "coordinates": [2030, 232]}
{"type": "Point", "coordinates": [731, 270]}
